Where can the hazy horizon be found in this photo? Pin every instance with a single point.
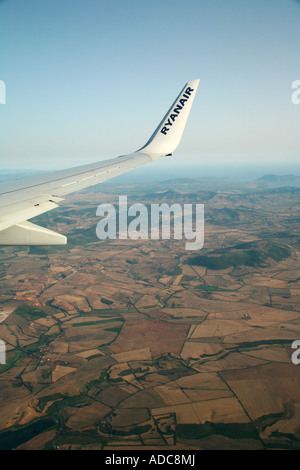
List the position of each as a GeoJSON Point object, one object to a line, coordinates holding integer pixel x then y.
{"type": "Point", "coordinates": [164, 170]}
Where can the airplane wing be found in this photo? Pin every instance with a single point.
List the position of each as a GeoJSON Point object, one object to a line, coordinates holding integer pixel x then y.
{"type": "Point", "coordinates": [24, 199]}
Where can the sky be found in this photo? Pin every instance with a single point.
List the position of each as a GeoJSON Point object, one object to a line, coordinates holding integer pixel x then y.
{"type": "Point", "coordinates": [88, 80]}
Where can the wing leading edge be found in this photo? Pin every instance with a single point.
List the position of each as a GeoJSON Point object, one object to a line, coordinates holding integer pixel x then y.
{"type": "Point", "coordinates": [33, 196]}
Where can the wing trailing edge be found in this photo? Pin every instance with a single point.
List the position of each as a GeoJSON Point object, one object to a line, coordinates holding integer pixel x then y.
{"type": "Point", "coordinates": [30, 234]}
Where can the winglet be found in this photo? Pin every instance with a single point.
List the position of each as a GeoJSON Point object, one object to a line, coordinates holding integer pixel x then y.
{"type": "Point", "coordinates": [167, 135]}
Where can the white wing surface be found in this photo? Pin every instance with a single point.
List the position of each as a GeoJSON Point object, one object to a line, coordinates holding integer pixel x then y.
{"type": "Point", "coordinates": [24, 199]}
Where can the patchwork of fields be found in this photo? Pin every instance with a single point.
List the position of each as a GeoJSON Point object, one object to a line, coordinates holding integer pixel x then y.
{"type": "Point", "coordinates": [139, 343]}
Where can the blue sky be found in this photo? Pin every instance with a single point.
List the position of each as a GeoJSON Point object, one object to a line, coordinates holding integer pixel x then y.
{"type": "Point", "coordinates": [90, 79]}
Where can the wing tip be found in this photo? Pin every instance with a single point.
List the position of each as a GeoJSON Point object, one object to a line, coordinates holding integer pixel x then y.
{"type": "Point", "coordinates": [167, 135]}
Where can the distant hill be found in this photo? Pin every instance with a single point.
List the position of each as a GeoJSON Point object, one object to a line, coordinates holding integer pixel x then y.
{"type": "Point", "coordinates": [245, 254]}
{"type": "Point", "coordinates": [280, 180]}
{"type": "Point", "coordinates": [272, 177]}
{"type": "Point", "coordinates": [8, 175]}
{"type": "Point", "coordinates": [176, 196]}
